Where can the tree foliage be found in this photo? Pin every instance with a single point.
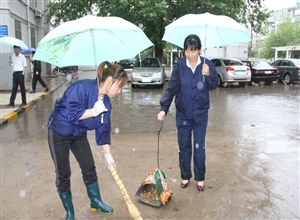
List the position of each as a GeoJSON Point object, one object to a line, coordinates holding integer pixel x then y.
{"type": "Point", "coordinates": [287, 34]}
{"type": "Point", "coordinates": [156, 14]}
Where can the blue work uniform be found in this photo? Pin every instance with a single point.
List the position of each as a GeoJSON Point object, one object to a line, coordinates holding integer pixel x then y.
{"type": "Point", "coordinates": [80, 96]}
{"type": "Point", "coordinates": [191, 91]}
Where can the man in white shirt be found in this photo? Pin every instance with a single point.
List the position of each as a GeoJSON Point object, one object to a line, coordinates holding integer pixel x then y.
{"type": "Point", "coordinates": [19, 65]}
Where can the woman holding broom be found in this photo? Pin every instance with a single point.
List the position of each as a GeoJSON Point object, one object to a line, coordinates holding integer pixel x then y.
{"type": "Point", "coordinates": [84, 106]}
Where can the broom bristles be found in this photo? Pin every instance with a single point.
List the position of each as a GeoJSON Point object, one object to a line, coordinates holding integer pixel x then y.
{"type": "Point", "coordinates": [134, 212]}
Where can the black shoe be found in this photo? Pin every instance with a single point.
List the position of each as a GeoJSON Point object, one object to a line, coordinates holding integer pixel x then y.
{"type": "Point", "coordinates": [32, 91]}
{"type": "Point", "coordinates": [23, 104]}
{"type": "Point", "coordinates": [10, 104]}
{"type": "Point", "coordinates": [46, 90]}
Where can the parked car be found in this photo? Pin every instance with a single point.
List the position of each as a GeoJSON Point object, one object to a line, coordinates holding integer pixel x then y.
{"type": "Point", "coordinates": [289, 69]}
{"type": "Point", "coordinates": [66, 70]}
{"type": "Point", "coordinates": [262, 71]}
{"type": "Point", "coordinates": [231, 70]}
{"type": "Point", "coordinates": [127, 63]}
{"type": "Point", "coordinates": [148, 71]}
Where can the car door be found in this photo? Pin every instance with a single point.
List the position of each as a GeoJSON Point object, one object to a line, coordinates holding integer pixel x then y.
{"type": "Point", "coordinates": [291, 68]}
{"type": "Point", "coordinates": [277, 64]}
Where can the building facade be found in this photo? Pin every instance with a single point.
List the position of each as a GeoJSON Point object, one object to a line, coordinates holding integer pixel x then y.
{"type": "Point", "coordinates": [276, 18]}
{"type": "Point", "coordinates": [22, 19]}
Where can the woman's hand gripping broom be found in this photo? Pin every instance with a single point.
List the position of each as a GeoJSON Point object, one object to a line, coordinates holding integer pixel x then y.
{"type": "Point", "coordinates": [134, 212]}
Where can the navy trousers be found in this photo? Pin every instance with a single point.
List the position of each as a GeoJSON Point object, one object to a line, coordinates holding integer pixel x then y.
{"type": "Point", "coordinates": [185, 129]}
{"type": "Point", "coordinates": [60, 148]}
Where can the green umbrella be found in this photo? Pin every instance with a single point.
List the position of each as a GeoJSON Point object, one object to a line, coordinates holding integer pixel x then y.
{"type": "Point", "coordinates": [213, 30]}
{"type": "Point", "coordinates": [90, 40]}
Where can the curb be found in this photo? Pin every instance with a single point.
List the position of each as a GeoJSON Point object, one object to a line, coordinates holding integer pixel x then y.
{"type": "Point", "coordinates": [13, 115]}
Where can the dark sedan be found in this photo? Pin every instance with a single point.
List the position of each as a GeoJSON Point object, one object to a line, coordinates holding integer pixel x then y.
{"type": "Point", "coordinates": [127, 63]}
{"type": "Point", "coordinates": [289, 69]}
{"type": "Point", "coordinates": [262, 71]}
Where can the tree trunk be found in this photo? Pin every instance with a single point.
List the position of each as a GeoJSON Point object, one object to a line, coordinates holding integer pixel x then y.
{"type": "Point", "coordinates": [159, 53]}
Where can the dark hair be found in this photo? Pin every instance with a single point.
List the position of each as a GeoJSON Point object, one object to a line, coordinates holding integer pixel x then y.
{"type": "Point", "coordinates": [192, 42]}
{"type": "Point", "coordinates": [15, 46]}
{"type": "Point", "coordinates": [115, 70]}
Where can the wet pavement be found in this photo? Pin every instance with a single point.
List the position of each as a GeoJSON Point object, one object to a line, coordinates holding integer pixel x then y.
{"type": "Point", "coordinates": [252, 158]}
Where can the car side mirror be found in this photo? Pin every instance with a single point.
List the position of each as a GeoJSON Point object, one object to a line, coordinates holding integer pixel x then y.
{"type": "Point", "coordinates": [163, 65]}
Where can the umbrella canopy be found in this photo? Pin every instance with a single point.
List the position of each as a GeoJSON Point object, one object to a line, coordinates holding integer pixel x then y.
{"type": "Point", "coordinates": [91, 40]}
{"type": "Point", "coordinates": [28, 51]}
{"type": "Point", "coordinates": [11, 41]}
{"type": "Point", "coordinates": [213, 30]}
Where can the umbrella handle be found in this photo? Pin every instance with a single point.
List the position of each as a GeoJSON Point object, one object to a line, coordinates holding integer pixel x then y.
{"type": "Point", "coordinates": [203, 73]}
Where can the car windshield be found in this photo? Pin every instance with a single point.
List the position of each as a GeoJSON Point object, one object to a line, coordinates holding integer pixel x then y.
{"type": "Point", "coordinates": [228, 62]}
{"type": "Point", "coordinates": [261, 65]}
{"type": "Point", "coordinates": [147, 63]}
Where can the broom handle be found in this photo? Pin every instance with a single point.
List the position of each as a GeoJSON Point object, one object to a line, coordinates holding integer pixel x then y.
{"type": "Point", "coordinates": [120, 184]}
{"type": "Point", "coordinates": [134, 212]}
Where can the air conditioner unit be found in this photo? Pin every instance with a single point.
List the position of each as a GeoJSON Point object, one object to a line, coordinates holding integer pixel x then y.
{"type": "Point", "coordinates": [38, 13]}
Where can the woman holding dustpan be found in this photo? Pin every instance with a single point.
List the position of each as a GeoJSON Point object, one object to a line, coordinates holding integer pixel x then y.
{"type": "Point", "coordinates": [190, 82]}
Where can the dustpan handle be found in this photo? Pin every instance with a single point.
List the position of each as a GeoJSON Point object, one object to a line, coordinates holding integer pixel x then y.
{"type": "Point", "coordinates": [160, 124]}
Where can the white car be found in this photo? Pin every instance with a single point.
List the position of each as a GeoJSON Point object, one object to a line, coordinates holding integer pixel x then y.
{"type": "Point", "coordinates": [147, 71]}
{"type": "Point", "coordinates": [231, 71]}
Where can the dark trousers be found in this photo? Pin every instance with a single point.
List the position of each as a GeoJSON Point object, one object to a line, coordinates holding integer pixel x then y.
{"type": "Point", "coordinates": [18, 79]}
{"type": "Point", "coordinates": [37, 77]}
{"type": "Point", "coordinates": [184, 136]}
{"type": "Point", "coordinates": [60, 148]}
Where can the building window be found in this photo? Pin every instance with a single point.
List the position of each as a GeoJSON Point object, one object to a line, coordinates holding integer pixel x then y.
{"type": "Point", "coordinates": [18, 31]}
{"type": "Point", "coordinates": [32, 37]}
{"type": "Point", "coordinates": [32, 3]}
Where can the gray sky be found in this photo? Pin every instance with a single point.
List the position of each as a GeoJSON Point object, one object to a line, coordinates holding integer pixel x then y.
{"type": "Point", "coordinates": [279, 4]}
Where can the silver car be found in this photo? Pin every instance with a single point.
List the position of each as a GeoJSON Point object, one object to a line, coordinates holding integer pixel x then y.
{"type": "Point", "coordinates": [148, 71]}
{"type": "Point", "coordinates": [231, 71]}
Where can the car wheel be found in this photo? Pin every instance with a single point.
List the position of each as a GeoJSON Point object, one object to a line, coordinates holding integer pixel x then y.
{"type": "Point", "coordinates": [242, 84]}
{"type": "Point", "coordinates": [287, 79]}
{"type": "Point", "coordinates": [55, 71]}
{"type": "Point", "coordinates": [268, 82]}
{"type": "Point", "coordinates": [220, 82]}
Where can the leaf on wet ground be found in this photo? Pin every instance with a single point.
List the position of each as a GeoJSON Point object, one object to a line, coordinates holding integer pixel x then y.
{"type": "Point", "coordinates": [175, 209]}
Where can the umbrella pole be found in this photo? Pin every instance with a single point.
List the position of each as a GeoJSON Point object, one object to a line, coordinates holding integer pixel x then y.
{"type": "Point", "coordinates": [204, 49]}
{"type": "Point", "coordinates": [205, 43]}
{"type": "Point", "coordinates": [95, 61]}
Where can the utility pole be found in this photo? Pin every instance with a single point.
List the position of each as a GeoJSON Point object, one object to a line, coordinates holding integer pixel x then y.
{"type": "Point", "coordinates": [250, 44]}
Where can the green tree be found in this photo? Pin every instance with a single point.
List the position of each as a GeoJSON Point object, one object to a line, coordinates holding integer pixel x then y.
{"type": "Point", "coordinates": [287, 34]}
{"type": "Point", "coordinates": [156, 14]}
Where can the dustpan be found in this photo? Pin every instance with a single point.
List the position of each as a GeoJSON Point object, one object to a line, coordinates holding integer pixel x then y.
{"type": "Point", "coordinates": [154, 189]}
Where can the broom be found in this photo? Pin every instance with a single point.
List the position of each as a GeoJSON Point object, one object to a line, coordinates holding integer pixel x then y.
{"type": "Point", "coordinates": [134, 212]}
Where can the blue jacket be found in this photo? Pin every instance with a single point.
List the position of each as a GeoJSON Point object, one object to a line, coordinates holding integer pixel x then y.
{"type": "Point", "coordinates": [79, 96]}
{"type": "Point", "coordinates": [191, 90]}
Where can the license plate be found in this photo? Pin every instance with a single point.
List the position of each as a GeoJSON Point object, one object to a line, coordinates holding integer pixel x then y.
{"type": "Point", "coordinates": [268, 72]}
{"type": "Point", "coordinates": [240, 72]}
{"type": "Point", "coordinates": [146, 80]}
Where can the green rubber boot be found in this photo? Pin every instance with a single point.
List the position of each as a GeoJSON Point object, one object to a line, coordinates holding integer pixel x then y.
{"type": "Point", "coordinates": [66, 199]}
{"type": "Point", "coordinates": [96, 201]}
